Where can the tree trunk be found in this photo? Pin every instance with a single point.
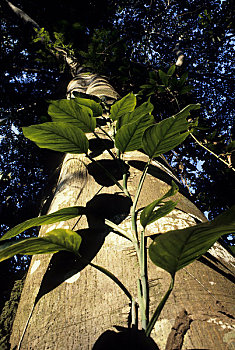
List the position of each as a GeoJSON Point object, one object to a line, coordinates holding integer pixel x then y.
{"type": "Point", "coordinates": [66, 305]}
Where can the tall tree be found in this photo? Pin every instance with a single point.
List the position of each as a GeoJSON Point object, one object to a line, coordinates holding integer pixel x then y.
{"type": "Point", "coordinates": [85, 297]}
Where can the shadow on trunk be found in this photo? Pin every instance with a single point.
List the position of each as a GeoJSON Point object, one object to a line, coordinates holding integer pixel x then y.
{"type": "Point", "coordinates": [64, 265]}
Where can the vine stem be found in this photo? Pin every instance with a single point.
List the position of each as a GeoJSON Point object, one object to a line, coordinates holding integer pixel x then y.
{"type": "Point", "coordinates": [113, 278]}
{"type": "Point", "coordinates": [109, 175]}
{"type": "Point", "coordinates": [133, 303]}
{"type": "Point", "coordinates": [99, 138]}
{"type": "Point", "coordinates": [208, 150]}
{"type": "Point", "coordinates": [158, 310]}
{"type": "Point", "coordinates": [144, 288]}
{"type": "Point", "coordinates": [118, 229]}
{"type": "Point", "coordinates": [105, 132]}
{"type": "Point", "coordinates": [141, 252]}
{"type": "Point", "coordinates": [133, 208]}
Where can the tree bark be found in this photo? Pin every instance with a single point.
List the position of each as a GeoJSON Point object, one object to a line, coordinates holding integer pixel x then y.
{"type": "Point", "coordinates": [67, 305]}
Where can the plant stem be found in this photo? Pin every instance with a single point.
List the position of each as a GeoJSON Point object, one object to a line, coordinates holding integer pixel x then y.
{"type": "Point", "coordinates": [118, 229]}
{"type": "Point", "coordinates": [141, 252]}
{"type": "Point", "coordinates": [144, 289]}
{"type": "Point", "coordinates": [141, 305]}
{"type": "Point", "coordinates": [105, 132]}
{"type": "Point", "coordinates": [113, 278]}
{"type": "Point", "coordinates": [133, 208]}
{"type": "Point", "coordinates": [211, 152]}
{"type": "Point", "coordinates": [107, 149]}
{"type": "Point", "coordinates": [124, 181]}
{"type": "Point", "coordinates": [158, 310]}
{"type": "Point", "coordinates": [141, 183]}
{"type": "Point", "coordinates": [108, 174]}
{"type": "Point", "coordinates": [134, 314]}
{"type": "Point", "coordinates": [200, 144]}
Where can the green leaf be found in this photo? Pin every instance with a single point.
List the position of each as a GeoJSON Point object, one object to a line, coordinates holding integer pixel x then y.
{"type": "Point", "coordinates": [146, 86]}
{"type": "Point", "coordinates": [94, 106]}
{"type": "Point", "coordinates": [153, 75]}
{"type": "Point", "coordinates": [158, 213]}
{"type": "Point", "coordinates": [172, 191]}
{"type": "Point", "coordinates": [84, 95]}
{"type": "Point", "coordinates": [123, 106]}
{"type": "Point", "coordinates": [59, 215]}
{"type": "Point", "coordinates": [148, 215]}
{"type": "Point", "coordinates": [59, 136]}
{"type": "Point", "coordinates": [186, 89]}
{"type": "Point", "coordinates": [164, 77]}
{"type": "Point", "coordinates": [139, 112]}
{"type": "Point", "coordinates": [176, 249]}
{"type": "Point", "coordinates": [169, 133]}
{"type": "Point", "coordinates": [70, 111]}
{"type": "Point", "coordinates": [171, 70]}
{"type": "Point", "coordinates": [129, 137]}
{"type": "Point", "coordinates": [183, 79]}
{"type": "Point", "coordinates": [51, 242]}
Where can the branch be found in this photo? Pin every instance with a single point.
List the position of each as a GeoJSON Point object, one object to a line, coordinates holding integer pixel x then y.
{"type": "Point", "coordinates": [211, 152]}
{"type": "Point", "coordinates": [179, 54]}
{"type": "Point", "coordinates": [23, 15]}
{"type": "Point", "coordinates": [70, 60]}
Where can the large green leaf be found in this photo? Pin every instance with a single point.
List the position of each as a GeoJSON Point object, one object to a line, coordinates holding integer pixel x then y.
{"type": "Point", "coordinates": [70, 111]}
{"type": "Point", "coordinates": [123, 106]}
{"type": "Point", "coordinates": [145, 108]}
{"type": "Point", "coordinates": [174, 250]}
{"type": "Point", "coordinates": [59, 215]}
{"type": "Point", "coordinates": [149, 214]}
{"type": "Point", "coordinates": [164, 77]}
{"type": "Point", "coordinates": [129, 137]}
{"type": "Point", "coordinates": [51, 242]}
{"type": "Point", "coordinates": [171, 70]}
{"type": "Point", "coordinates": [94, 106]}
{"type": "Point", "coordinates": [169, 133]}
{"type": "Point", "coordinates": [59, 136]}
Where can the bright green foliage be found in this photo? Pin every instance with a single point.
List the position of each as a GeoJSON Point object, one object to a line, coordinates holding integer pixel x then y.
{"type": "Point", "coordinates": [166, 83]}
{"type": "Point", "coordinates": [123, 106]}
{"type": "Point", "coordinates": [168, 133]}
{"type": "Point", "coordinates": [51, 242]}
{"type": "Point", "coordinates": [149, 214]}
{"type": "Point", "coordinates": [171, 70]}
{"type": "Point", "coordinates": [94, 106]}
{"type": "Point", "coordinates": [70, 111]}
{"type": "Point", "coordinates": [129, 137]}
{"type": "Point", "coordinates": [132, 129]}
{"type": "Point", "coordinates": [164, 77]}
{"type": "Point", "coordinates": [176, 249]}
{"type": "Point", "coordinates": [145, 108]}
{"type": "Point", "coordinates": [59, 215]}
{"type": "Point", "coordinates": [60, 136]}
{"type": "Point", "coordinates": [42, 35]}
